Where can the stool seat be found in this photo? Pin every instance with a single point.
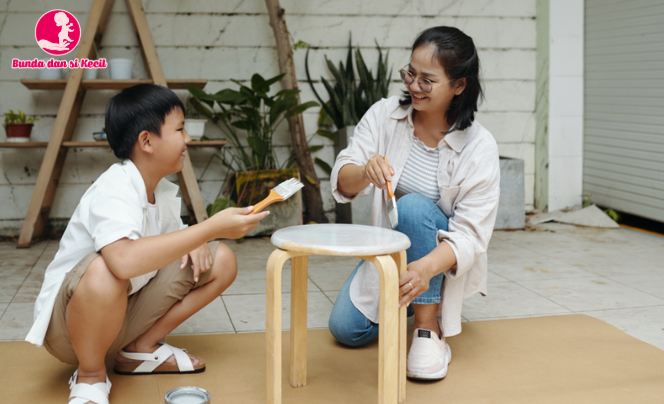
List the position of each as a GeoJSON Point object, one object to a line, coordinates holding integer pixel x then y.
{"type": "Point", "coordinates": [340, 240]}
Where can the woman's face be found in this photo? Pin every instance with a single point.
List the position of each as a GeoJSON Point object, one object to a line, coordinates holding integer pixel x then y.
{"type": "Point", "coordinates": [425, 67]}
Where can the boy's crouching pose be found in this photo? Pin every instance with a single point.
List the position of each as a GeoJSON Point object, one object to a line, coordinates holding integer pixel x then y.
{"type": "Point", "coordinates": [128, 271]}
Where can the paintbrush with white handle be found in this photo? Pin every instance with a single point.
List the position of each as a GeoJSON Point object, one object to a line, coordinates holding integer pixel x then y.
{"type": "Point", "coordinates": [391, 202]}
{"type": "Point", "coordinates": [279, 193]}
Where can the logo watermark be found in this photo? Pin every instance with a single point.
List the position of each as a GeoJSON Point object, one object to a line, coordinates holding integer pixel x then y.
{"type": "Point", "coordinates": [57, 33]}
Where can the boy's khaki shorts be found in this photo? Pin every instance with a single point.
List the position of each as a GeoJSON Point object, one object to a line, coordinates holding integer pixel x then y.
{"type": "Point", "coordinates": [144, 308]}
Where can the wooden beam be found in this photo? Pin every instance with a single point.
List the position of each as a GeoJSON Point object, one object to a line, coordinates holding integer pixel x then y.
{"type": "Point", "coordinates": [62, 122]}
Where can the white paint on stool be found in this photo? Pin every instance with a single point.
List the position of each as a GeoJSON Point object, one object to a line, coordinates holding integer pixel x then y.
{"type": "Point", "coordinates": [340, 239]}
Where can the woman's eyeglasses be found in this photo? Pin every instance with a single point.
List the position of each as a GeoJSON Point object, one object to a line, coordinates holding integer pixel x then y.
{"type": "Point", "coordinates": [408, 78]}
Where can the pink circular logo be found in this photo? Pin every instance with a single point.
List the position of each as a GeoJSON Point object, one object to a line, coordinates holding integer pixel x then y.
{"type": "Point", "coordinates": [57, 32]}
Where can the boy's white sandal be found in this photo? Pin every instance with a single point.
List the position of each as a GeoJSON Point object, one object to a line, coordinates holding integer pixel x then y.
{"type": "Point", "coordinates": [155, 363]}
{"type": "Point", "coordinates": [84, 393]}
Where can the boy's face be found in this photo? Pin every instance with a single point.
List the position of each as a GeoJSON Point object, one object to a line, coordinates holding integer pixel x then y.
{"type": "Point", "coordinates": [169, 149]}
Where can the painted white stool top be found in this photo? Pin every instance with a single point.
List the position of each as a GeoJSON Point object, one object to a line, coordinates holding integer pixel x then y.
{"type": "Point", "coordinates": [340, 239]}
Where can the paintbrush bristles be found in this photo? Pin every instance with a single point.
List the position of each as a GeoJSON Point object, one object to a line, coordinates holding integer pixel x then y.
{"type": "Point", "coordinates": [392, 213]}
{"type": "Point", "coordinates": [287, 188]}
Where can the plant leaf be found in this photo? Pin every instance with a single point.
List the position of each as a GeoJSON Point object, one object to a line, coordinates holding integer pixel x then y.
{"type": "Point", "coordinates": [311, 180]}
{"type": "Point", "coordinates": [315, 148]}
{"type": "Point", "coordinates": [301, 108]}
{"type": "Point", "coordinates": [327, 134]}
{"type": "Point", "coordinates": [322, 164]}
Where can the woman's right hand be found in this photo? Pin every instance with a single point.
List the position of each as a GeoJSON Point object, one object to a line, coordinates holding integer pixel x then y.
{"type": "Point", "coordinates": [376, 171]}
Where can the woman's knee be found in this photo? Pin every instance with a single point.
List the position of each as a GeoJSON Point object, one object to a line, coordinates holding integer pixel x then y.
{"type": "Point", "coordinates": [347, 333]}
{"type": "Point", "coordinates": [414, 209]}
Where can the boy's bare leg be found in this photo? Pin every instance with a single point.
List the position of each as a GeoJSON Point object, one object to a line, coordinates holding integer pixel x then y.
{"type": "Point", "coordinates": [94, 318]}
{"type": "Point", "coordinates": [222, 275]}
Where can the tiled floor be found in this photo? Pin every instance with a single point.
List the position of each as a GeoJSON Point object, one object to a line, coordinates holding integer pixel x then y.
{"type": "Point", "coordinates": [614, 275]}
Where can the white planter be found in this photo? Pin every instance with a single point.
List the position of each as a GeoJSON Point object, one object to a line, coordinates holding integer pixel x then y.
{"type": "Point", "coordinates": [195, 128]}
{"type": "Point", "coordinates": [89, 74]}
{"type": "Point", "coordinates": [50, 74]}
{"type": "Point", "coordinates": [120, 69]}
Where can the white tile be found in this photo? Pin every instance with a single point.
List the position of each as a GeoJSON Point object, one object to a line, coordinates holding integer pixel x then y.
{"type": "Point", "coordinates": [493, 277]}
{"type": "Point", "coordinates": [520, 268]}
{"type": "Point", "coordinates": [248, 311]}
{"type": "Point", "coordinates": [652, 283]}
{"type": "Point", "coordinates": [332, 295]}
{"type": "Point", "coordinates": [9, 286]}
{"type": "Point", "coordinates": [596, 293]}
{"type": "Point", "coordinates": [29, 289]}
{"type": "Point", "coordinates": [252, 281]}
{"type": "Point", "coordinates": [7, 271]}
{"type": "Point", "coordinates": [20, 257]}
{"type": "Point", "coordinates": [211, 319]}
{"type": "Point", "coordinates": [566, 55]}
{"type": "Point", "coordinates": [644, 323]}
{"type": "Point", "coordinates": [333, 274]}
{"type": "Point", "coordinates": [508, 300]}
{"type": "Point", "coordinates": [16, 321]}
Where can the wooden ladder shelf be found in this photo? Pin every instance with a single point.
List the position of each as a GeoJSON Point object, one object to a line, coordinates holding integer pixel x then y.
{"type": "Point", "coordinates": [70, 106]}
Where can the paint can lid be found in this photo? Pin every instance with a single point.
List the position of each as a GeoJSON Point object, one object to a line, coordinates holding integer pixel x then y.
{"type": "Point", "coordinates": [187, 395]}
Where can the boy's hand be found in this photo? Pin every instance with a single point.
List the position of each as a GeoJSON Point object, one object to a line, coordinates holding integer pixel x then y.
{"type": "Point", "coordinates": [201, 260]}
{"type": "Point", "coordinates": [235, 223]}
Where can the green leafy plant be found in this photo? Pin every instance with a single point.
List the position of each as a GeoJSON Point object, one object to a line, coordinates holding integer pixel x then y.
{"type": "Point", "coordinates": [253, 111]}
{"type": "Point", "coordinates": [349, 99]}
{"type": "Point", "coordinates": [250, 114]}
{"type": "Point", "coordinates": [20, 117]}
{"type": "Point", "coordinates": [609, 212]}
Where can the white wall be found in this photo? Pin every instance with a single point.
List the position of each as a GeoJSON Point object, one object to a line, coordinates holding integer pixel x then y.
{"type": "Point", "coordinates": [565, 103]}
{"type": "Point", "coordinates": [220, 40]}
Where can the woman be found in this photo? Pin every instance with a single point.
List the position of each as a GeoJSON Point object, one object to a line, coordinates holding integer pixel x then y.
{"type": "Point", "coordinates": [445, 172]}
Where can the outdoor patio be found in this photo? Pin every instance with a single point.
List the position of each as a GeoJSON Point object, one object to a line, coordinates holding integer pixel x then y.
{"type": "Point", "coordinates": [613, 275]}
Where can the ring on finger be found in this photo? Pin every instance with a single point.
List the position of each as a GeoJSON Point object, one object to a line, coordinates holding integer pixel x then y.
{"type": "Point", "coordinates": [411, 287]}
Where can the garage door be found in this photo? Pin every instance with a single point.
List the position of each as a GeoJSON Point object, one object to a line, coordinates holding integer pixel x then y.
{"type": "Point", "coordinates": [624, 105]}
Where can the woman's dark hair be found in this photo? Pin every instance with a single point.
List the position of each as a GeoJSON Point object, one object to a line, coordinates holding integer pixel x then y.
{"type": "Point", "coordinates": [456, 52]}
{"type": "Point", "coordinates": [135, 109]}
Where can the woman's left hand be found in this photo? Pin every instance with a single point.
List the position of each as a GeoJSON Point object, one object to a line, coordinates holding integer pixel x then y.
{"type": "Point", "coordinates": [415, 281]}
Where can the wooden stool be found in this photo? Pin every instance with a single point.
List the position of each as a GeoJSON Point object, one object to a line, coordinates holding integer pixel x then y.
{"type": "Point", "coordinates": [386, 249]}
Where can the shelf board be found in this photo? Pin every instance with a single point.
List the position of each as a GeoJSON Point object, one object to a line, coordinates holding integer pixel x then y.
{"type": "Point", "coordinates": [6, 145]}
{"type": "Point", "coordinates": [106, 84]}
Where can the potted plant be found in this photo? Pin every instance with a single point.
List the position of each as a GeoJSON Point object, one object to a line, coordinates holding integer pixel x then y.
{"type": "Point", "coordinates": [348, 101]}
{"type": "Point", "coordinates": [249, 118]}
{"type": "Point", "coordinates": [18, 126]}
{"type": "Point", "coordinates": [193, 124]}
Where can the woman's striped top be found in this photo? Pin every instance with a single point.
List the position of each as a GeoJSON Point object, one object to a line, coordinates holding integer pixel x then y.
{"type": "Point", "coordinates": [420, 172]}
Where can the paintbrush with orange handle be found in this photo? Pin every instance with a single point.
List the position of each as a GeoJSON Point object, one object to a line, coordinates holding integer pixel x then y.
{"type": "Point", "coordinates": [391, 202]}
{"type": "Point", "coordinates": [279, 193]}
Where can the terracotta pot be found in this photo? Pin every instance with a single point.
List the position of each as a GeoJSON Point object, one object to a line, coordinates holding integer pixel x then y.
{"type": "Point", "coordinates": [18, 132]}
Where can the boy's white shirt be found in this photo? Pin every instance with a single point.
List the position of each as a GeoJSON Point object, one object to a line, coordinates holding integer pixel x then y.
{"type": "Point", "coordinates": [114, 207]}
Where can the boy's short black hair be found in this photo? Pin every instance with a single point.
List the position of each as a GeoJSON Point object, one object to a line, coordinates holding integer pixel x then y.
{"type": "Point", "coordinates": [135, 109]}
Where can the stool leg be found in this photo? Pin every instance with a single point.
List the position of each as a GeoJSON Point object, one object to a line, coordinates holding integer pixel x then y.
{"type": "Point", "coordinates": [273, 324]}
{"type": "Point", "coordinates": [401, 260]}
{"type": "Point", "coordinates": [388, 331]}
{"type": "Point", "coordinates": [298, 334]}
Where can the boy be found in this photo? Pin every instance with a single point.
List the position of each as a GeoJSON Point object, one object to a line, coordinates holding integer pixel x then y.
{"type": "Point", "coordinates": [128, 271]}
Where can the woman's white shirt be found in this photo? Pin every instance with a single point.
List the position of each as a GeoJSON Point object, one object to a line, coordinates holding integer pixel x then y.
{"type": "Point", "coordinates": [468, 179]}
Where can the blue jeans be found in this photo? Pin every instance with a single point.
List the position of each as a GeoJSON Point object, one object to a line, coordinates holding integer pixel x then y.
{"type": "Point", "coordinates": [419, 219]}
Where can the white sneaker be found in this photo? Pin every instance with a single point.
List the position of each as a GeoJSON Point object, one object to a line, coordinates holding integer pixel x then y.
{"type": "Point", "coordinates": [428, 357]}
